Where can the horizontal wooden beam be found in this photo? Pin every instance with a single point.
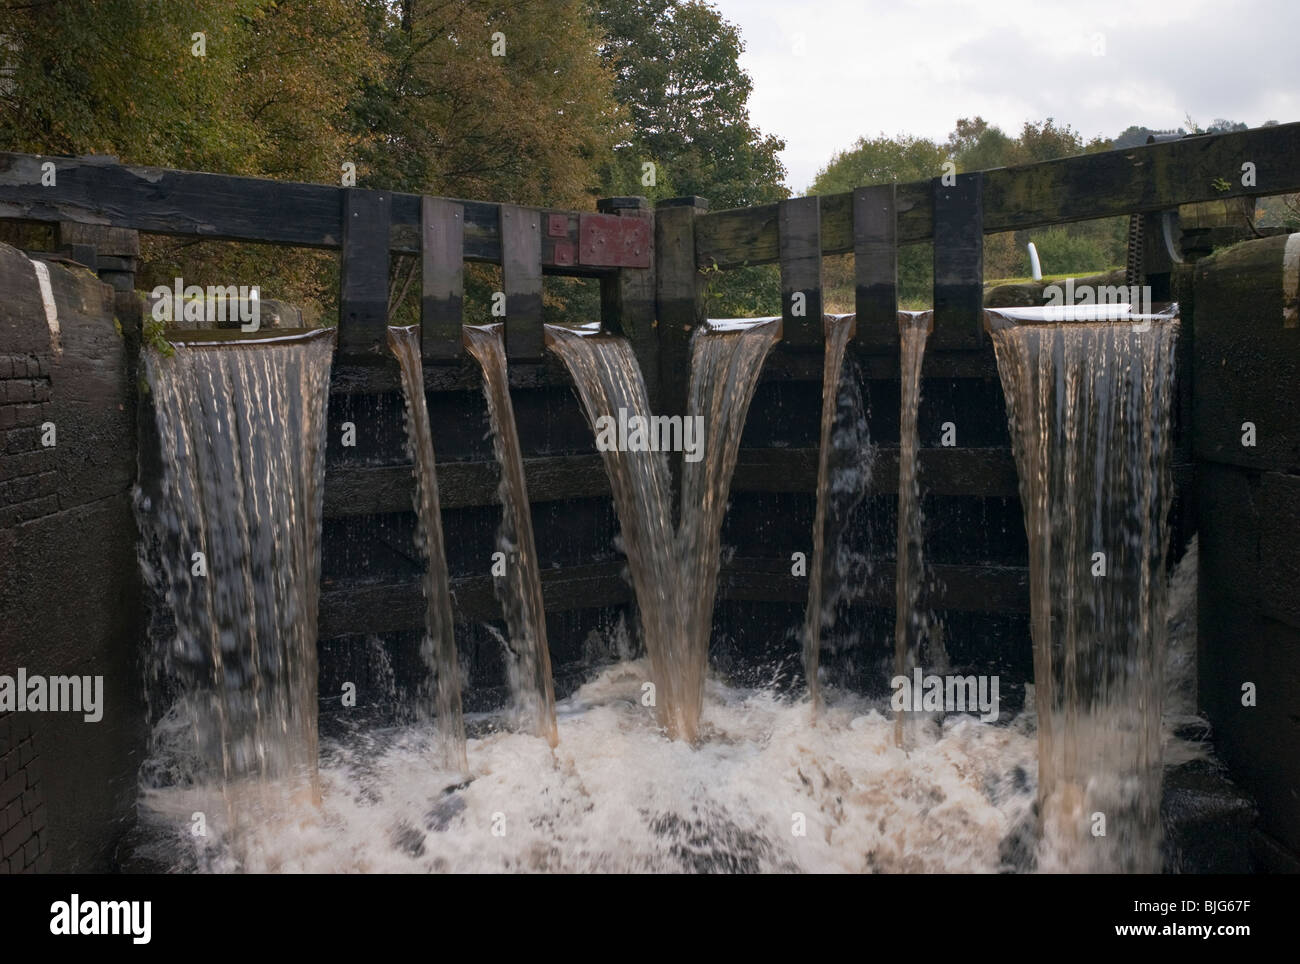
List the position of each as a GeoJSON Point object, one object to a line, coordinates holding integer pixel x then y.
{"type": "Point", "coordinates": [967, 588]}
{"type": "Point", "coordinates": [374, 490]}
{"type": "Point", "coordinates": [346, 609]}
{"type": "Point", "coordinates": [1154, 177]}
{"type": "Point", "coordinates": [370, 490]}
{"type": "Point", "coordinates": [222, 207]}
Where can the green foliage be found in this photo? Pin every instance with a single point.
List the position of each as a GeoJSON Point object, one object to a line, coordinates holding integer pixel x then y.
{"type": "Point", "coordinates": [1063, 252]}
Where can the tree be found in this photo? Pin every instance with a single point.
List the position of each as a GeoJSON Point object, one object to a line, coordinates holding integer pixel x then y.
{"type": "Point", "coordinates": [677, 73]}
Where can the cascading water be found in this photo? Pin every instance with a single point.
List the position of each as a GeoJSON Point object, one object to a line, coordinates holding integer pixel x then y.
{"type": "Point", "coordinates": [439, 647]}
{"type": "Point", "coordinates": [520, 589]}
{"type": "Point", "coordinates": [241, 433]}
{"type": "Point", "coordinates": [1089, 408]}
{"type": "Point", "coordinates": [674, 572]}
{"type": "Point", "coordinates": [725, 362]}
{"type": "Point", "coordinates": [914, 329]}
{"type": "Point", "coordinates": [838, 329]}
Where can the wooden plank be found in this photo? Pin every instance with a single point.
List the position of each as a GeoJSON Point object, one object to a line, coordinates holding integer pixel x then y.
{"type": "Point", "coordinates": [219, 207]}
{"type": "Point", "coordinates": [352, 490]}
{"type": "Point", "coordinates": [350, 608]}
{"type": "Point", "coordinates": [627, 298]}
{"type": "Point", "coordinates": [442, 279]}
{"type": "Point", "coordinates": [355, 490]}
{"type": "Point", "coordinates": [959, 260]}
{"type": "Point", "coordinates": [521, 275]}
{"type": "Point", "coordinates": [875, 266]}
{"type": "Point", "coordinates": [1153, 177]}
{"type": "Point", "coordinates": [967, 588]}
{"type": "Point", "coordinates": [800, 244]}
{"type": "Point", "coordinates": [363, 280]}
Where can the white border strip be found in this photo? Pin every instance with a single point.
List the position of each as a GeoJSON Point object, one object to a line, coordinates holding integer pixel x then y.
{"type": "Point", "coordinates": [1291, 282]}
{"type": "Point", "coordinates": [51, 310]}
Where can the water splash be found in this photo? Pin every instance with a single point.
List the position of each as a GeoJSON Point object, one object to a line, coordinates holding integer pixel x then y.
{"type": "Point", "coordinates": [439, 647]}
{"type": "Point", "coordinates": [236, 529]}
{"type": "Point", "coordinates": [520, 589]}
{"type": "Point", "coordinates": [1089, 408]}
{"type": "Point", "coordinates": [914, 329]}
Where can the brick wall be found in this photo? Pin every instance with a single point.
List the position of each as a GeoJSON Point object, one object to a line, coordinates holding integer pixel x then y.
{"type": "Point", "coordinates": [24, 837]}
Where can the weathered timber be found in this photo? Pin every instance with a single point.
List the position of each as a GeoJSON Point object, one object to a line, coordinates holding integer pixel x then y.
{"type": "Point", "coordinates": [971, 588]}
{"type": "Point", "coordinates": [347, 609]}
{"type": "Point", "coordinates": [1153, 177]}
{"type": "Point", "coordinates": [220, 207]}
{"type": "Point", "coordinates": [627, 299]}
{"type": "Point", "coordinates": [442, 278]}
{"type": "Point", "coordinates": [959, 260]}
{"type": "Point", "coordinates": [521, 274]}
{"type": "Point", "coordinates": [363, 279]}
{"type": "Point", "coordinates": [365, 490]}
{"type": "Point", "coordinates": [799, 240]}
{"type": "Point", "coordinates": [875, 266]}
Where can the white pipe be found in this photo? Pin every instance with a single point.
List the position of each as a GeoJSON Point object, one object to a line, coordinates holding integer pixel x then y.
{"type": "Point", "coordinates": [1035, 268]}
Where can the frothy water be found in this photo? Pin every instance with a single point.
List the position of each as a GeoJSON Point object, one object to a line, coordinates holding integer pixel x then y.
{"type": "Point", "coordinates": [1089, 406]}
{"type": "Point", "coordinates": [520, 589]}
{"type": "Point", "coordinates": [236, 533]}
{"type": "Point", "coordinates": [763, 791]}
{"type": "Point", "coordinates": [439, 646]}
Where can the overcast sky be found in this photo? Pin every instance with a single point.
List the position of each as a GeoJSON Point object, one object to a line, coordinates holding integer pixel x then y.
{"type": "Point", "coordinates": [827, 72]}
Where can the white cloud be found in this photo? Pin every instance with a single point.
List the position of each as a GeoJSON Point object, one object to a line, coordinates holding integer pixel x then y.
{"type": "Point", "coordinates": [916, 66]}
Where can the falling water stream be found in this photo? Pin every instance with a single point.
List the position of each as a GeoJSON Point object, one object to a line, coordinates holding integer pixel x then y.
{"type": "Point", "coordinates": [674, 571]}
{"type": "Point", "coordinates": [838, 330]}
{"type": "Point", "coordinates": [236, 528]}
{"type": "Point", "coordinates": [439, 647]}
{"type": "Point", "coordinates": [1089, 407]}
{"type": "Point", "coordinates": [520, 589]}
{"type": "Point", "coordinates": [914, 329]}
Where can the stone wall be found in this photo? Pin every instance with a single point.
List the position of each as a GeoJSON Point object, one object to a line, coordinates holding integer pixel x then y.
{"type": "Point", "coordinates": [69, 579]}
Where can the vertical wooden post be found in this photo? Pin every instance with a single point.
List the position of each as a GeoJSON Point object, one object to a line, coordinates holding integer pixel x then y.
{"type": "Point", "coordinates": [363, 283]}
{"type": "Point", "coordinates": [679, 298]}
{"type": "Point", "coordinates": [959, 261]}
{"type": "Point", "coordinates": [627, 298]}
{"type": "Point", "coordinates": [521, 275]}
{"type": "Point", "coordinates": [875, 266]}
{"type": "Point", "coordinates": [442, 272]}
{"type": "Point", "coordinates": [800, 240]}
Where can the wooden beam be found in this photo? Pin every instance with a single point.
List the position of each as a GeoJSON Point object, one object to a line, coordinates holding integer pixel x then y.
{"type": "Point", "coordinates": [521, 275]}
{"type": "Point", "coordinates": [875, 266]}
{"type": "Point", "coordinates": [363, 294]}
{"type": "Point", "coordinates": [799, 239]}
{"type": "Point", "coordinates": [959, 260]}
{"type": "Point", "coordinates": [442, 273]}
{"type": "Point", "coordinates": [1153, 177]}
{"type": "Point", "coordinates": [627, 297]}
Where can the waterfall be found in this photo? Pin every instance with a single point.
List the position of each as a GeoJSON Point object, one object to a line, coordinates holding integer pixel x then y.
{"type": "Point", "coordinates": [914, 329]}
{"type": "Point", "coordinates": [1089, 409]}
{"type": "Point", "coordinates": [520, 589]}
{"type": "Point", "coordinates": [439, 647]}
{"type": "Point", "coordinates": [241, 433]}
{"type": "Point", "coordinates": [838, 330]}
{"type": "Point", "coordinates": [674, 571]}
{"type": "Point", "coordinates": [725, 363]}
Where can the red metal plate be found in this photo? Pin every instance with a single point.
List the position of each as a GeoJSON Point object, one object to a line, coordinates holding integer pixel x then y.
{"type": "Point", "coordinates": [610, 241]}
{"type": "Point", "coordinates": [557, 225]}
{"type": "Point", "coordinates": [563, 252]}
